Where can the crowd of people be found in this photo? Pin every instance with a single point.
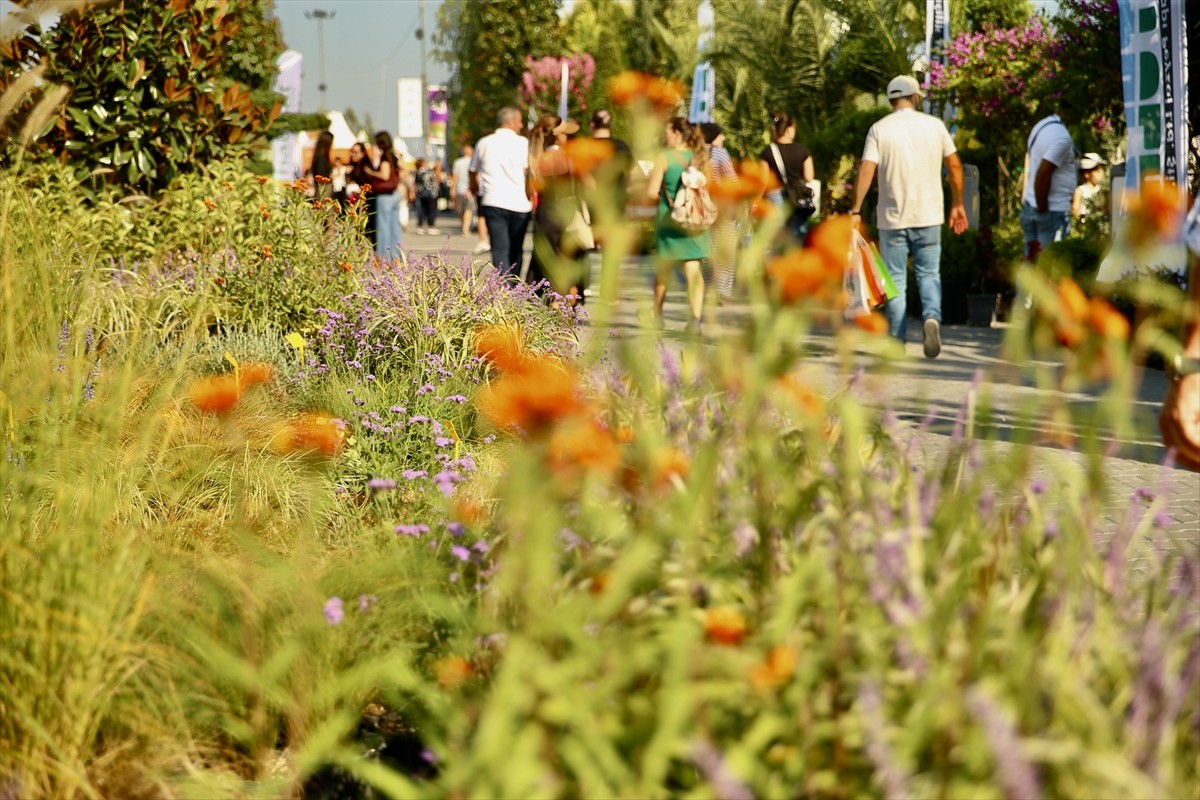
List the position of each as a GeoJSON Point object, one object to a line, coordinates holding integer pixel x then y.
{"type": "Point", "coordinates": [518, 178]}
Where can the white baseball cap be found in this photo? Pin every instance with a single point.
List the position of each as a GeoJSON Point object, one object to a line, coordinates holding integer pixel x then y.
{"type": "Point", "coordinates": [903, 86]}
{"type": "Point", "coordinates": [1091, 161]}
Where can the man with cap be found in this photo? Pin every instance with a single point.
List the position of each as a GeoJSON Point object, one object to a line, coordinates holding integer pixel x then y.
{"type": "Point", "coordinates": [907, 149]}
{"type": "Point", "coordinates": [1049, 185]}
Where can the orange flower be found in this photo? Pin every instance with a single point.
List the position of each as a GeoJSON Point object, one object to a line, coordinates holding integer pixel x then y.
{"type": "Point", "coordinates": [599, 583]}
{"type": "Point", "coordinates": [542, 392]}
{"type": "Point", "coordinates": [264, 212]}
{"type": "Point", "coordinates": [623, 434]}
{"type": "Point", "coordinates": [299, 185]}
{"type": "Point", "coordinates": [503, 345]}
{"type": "Point", "coordinates": [262, 179]}
{"type": "Point", "coordinates": [776, 670]}
{"type": "Point", "coordinates": [586, 153]}
{"type": "Point", "coordinates": [266, 252]}
{"type": "Point", "coordinates": [467, 511]}
{"type": "Point", "coordinates": [318, 205]}
{"type": "Point", "coordinates": [345, 265]}
{"type": "Point", "coordinates": [627, 86]}
{"type": "Point", "coordinates": [832, 240]}
{"type": "Point", "coordinates": [724, 625]}
{"type": "Point", "coordinates": [215, 395]}
{"type": "Point", "coordinates": [1074, 301]}
{"type": "Point", "coordinates": [210, 205]}
{"type": "Point", "coordinates": [664, 95]}
{"type": "Point", "coordinates": [804, 272]}
{"type": "Point", "coordinates": [322, 179]}
{"type": "Point", "coordinates": [451, 671]}
{"type": "Point", "coordinates": [753, 181]}
{"type": "Point", "coordinates": [227, 186]}
{"type": "Point", "coordinates": [805, 398]}
{"type": "Point", "coordinates": [669, 463]}
{"type": "Point", "coordinates": [1155, 212]}
{"type": "Point", "coordinates": [585, 446]}
{"type": "Point", "coordinates": [314, 433]}
{"type": "Point", "coordinates": [872, 323]}
{"type": "Point", "coordinates": [252, 373]}
{"type": "Point", "coordinates": [1107, 321]}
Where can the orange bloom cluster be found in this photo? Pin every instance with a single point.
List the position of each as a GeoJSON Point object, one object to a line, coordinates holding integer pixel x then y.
{"type": "Point", "coordinates": [266, 252]}
{"type": "Point", "coordinates": [345, 266]}
{"type": "Point", "coordinates": [816, 270]}
{"type": "Point", "coordinates": [218, 394]}
{"type": "Point", "coordinates": [583, 445]}
{"type": "Point", "coordinates": [753, 180]}
{"type": "Point", "coordinates": [586, 153]}
{"type": "Point", "coordinates": [313, 433]}
{"type": "Point", "coordinates": [872, 322]}
{"type": "Point", "coordinates": [776, 670]}
{"type": "Point", "coordinates": [809, 401]}
{"type": "Point", "coordinates": [724, 625]}
{"type": "Point", "coordinates": [630, 86]}
{"type": "Point", "coordinates": [252, 373]}
{"type": "Point", "coordinates": [262, 179]}
{"type": "Point", "coordinates": [210, 205]}
{"type": "Point", "coordinates": [1078, 313]}
{"type": "Point", "coordinates": [264, 212]}
{"type": "Point", "coordinates": [451, 671]}
{"type": "Point", "coordinates": [1155, 212]}
{"type": "Point", "coordinates": [531, 398]}
{"type": "Point", "coordinates": [299, 185]}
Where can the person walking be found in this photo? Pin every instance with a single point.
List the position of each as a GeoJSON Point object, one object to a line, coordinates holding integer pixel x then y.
{"type": "Point", "coordinates": [724, 230]}
{"type": "Point", "coordinates": [460, 189]}
{"type": "Point", "coordinates": [385, 179]}
{"type": "Point", "coordinates": [612, 177]}
{"type": "Point", "coordinates": [791, 164]}
{"type": "Point", "coordinates": [907, 149]}
{"type": "Point", "coordinates": [1088, 198]}
{"type": "Point", "coordinates": [501, 164]}
{"type": "Point", "coordinates": [358, 186]}
{"type": "Point", "coordinates": [684, 147]}
{"type": "Point", "coordinates": [1049, 185]}
{"type": "Point", "coordinates": [559, 257]}
{"type": "Point", "coordinates": [427, 195]}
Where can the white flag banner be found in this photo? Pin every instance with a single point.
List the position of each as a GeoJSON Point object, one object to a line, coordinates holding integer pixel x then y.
{"type": "Point", "coordinates": [287, 83]}
{"type": "Point", "coordinates": [1153, 70]}
{"type": "Point", "coordinates": [937, 36]}
{"type": "Point", "coordinates": [704, 90]}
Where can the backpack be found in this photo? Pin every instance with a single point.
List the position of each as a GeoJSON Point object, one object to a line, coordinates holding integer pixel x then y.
{"type": "Point", "coordinates": [693, 210]}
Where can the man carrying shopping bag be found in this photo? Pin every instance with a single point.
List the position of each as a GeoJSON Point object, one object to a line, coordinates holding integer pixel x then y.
{"type": "Point", "coordinates": [908, 148]}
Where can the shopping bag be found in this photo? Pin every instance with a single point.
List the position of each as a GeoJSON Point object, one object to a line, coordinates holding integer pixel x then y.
{"type": "Point", "coordinates": [854, 282]}
{"type": "Point", "coordinates": [880, 270]}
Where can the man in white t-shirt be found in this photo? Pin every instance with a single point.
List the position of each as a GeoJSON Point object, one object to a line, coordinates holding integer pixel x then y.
{"type": "Point", "coordinates": [500, 166]}
{"type": "Point", "coordinates": [908, 148]}
{"type": "Point", "coordinates": [1049, 185]}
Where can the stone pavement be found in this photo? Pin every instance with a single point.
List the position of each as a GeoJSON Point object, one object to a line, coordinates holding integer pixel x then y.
{"type": "Point", "coordinates": [927, 395]}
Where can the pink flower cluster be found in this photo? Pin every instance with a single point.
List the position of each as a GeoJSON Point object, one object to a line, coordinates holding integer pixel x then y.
{"type": "Point", "coordinates": [542, 82]}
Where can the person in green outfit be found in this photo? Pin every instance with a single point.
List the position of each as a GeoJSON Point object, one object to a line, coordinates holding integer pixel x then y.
{"type": "Point", "coordinates": [685, 147]}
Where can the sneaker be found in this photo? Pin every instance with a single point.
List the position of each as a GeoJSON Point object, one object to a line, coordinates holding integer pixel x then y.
{"type": "Point", "coordinates": [432, 231]}
{"type": "Point", "coordinates": [481, 248]}
{"type": "Point", "coordinates": [933, 337]}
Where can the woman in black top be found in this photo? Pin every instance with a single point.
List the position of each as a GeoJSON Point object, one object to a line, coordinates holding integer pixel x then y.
{"type": "Point", "coordinates": [322, 167]}
{"type": "Point", "coordinates": [358, 177]}
{"type": "Point", "coordinates": [797, 168]}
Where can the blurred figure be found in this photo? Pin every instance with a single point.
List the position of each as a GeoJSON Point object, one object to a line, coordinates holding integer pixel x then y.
{"type": "Point", "coordinates": [1179, 420]}
{"type": "Point", "coordinates": [501, 166]}
{"type": "Point", "coordinates": [724, 230]}
{"type": "Point", "coordinates": [1049, 185]}
{"type": "Point", "coordinates": [1087, 194]}
{"type": "Point", "coordinates": [385, 180]}
{"type": "Point", "coordinates": [460, 188]}
{"type": "Point", "coordinates": [358, 186]}
{"type": "Point", "coordinates": [612, 178]}
{"type": "Point", "coordinates": [684, 147]}
{"type": "Point", "coordinates": [427, 196]}
{"type": "Point", "coordinates": [321, 167]}
{"type": "Point", "coordinates": [792, 165]}
{"type": "Point", "coordinates": [557, 256]}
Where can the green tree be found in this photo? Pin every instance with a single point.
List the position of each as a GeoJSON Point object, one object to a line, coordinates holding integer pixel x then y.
{"type": "Point", "coordinates": [974, 15]}
{"type": "Point", "coordinates": [485, 45]}
{"type": "Point", "coordinates": [601, 27]}
{"type": "Point", "coordinates": [153, 89]}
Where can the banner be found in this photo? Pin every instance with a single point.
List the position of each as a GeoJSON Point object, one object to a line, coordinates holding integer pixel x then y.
{"type": "Point", "coordinates": [287, 83]}
{"type": "Point", "coordinates": [937, 36]}
{"type": "Point", "coordinates": [704, 90]}
{"type": "Point", "coordinates": [439, 115]}
{"type": "Point", "coordinates": [1153, 70]}
{"type": "Point", "coordinates": [409, 95]}
{"type": "Point", "coordinates": [1153, 61]}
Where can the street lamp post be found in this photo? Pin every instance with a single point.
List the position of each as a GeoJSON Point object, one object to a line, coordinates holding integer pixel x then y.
{"type": "Point", "coordinates": [320, 15]}
{"type": "Point", "coordinates": [424, 85]}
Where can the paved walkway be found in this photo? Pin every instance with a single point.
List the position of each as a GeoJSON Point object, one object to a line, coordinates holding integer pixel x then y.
{"type": "Point", "coordinates": [927, 395]}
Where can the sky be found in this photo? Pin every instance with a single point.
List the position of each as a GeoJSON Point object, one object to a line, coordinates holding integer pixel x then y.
{"type": "Point", "coordinates": [369, 45]}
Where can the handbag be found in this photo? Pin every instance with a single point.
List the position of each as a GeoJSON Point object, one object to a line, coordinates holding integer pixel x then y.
{"type": "Point", "coordinates": [579, 229]}
{"type": "Point", "coordinates": [798, 194]}
{"type": "Point", "coordinates": [381, 186]}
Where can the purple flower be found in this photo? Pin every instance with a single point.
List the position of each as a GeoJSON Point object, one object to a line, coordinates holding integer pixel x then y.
{"type": "Point", "coordinates": [426, 389]}
{"type": "Point", "coordinates": [480, 547]}
{"type": "Point", "coordinates": [1162, 519]}
{"type": "Point", "coordinates": [416, 419]}
{"type": "Point", "coordinates": [334, 613]}
{"type": "Point", "coordinates": [413, 474]}
{"type": "Point", "coordinates": [365, 601]}
{"type": "Point", "coordinates": [398, 410]}
{"type": "Point", "coordinates": [381, 484]}
{"type": "Point", "coordinates": [1018, 776]}
{"type": "Point", "coordinates": [443, 441]}
{"type": "Point", "coordinates": [455, 528]}
{"type": "Point", "coordinates": [411, 530]}
{"type": "Point", "coordinates": [445, 481]}
{"type": "Point", "coordinates": [428, 757]}
{"type": "Point", "coordinates": [460, 552]}
{"type": "Point", "coordinates": [455, 398]}
{"type": "Point", "coordinates": [1037, 486]}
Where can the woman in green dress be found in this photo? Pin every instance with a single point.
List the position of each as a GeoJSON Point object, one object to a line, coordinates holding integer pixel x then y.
{"type": "Point", "coordinates": [685, 147]}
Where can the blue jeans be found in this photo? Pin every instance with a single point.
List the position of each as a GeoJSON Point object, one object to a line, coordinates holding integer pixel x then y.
{"type": "Point", "coordinates": [925, 247]}
{"type": "Point", "coordinates": [506, 230]}
{"type": "Point", "coordinates": [1053, 226]}
{"type": "Point", "coordinates": [387, 226]}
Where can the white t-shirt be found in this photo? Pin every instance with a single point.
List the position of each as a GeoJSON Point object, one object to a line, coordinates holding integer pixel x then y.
{"type": "Point", "coordinates": [501, 159]}
{"type": "Point", "coordinates": [909, 148]}
{"type": "Point", "coordinates": [1051, 141]}
{"type": "Point", "coordinates": [461, 170]}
